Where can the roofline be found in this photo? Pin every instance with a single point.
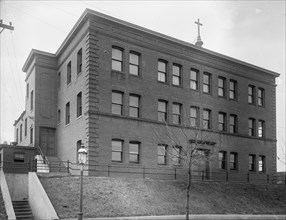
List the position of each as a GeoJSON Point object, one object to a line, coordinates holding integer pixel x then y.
{"type": "Point", "coordinates": [21, 116]}
{"type": "Point", "coordinates": [10, 146]}
{"type": "Point", "coordinates": [88, 12]}
{"type": "Point", "coordinates": [31, 56]}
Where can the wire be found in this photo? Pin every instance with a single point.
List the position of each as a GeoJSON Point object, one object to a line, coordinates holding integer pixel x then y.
{"type": "Point", "coordinates": [36, 18]}
{"type": "Point", "coordinates": [21, 85]}
{"type": "Point", "coordinates": [15, 84]}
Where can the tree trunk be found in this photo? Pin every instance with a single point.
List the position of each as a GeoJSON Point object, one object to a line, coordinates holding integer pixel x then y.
{"type": "Point", "coordinates": [188, 193]}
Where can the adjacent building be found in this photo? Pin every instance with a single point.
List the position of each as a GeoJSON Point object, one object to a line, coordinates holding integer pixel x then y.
{"type": "Point", "coordinates": [114, 86]}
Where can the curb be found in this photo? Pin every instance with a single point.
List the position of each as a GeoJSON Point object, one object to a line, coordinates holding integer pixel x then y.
{"type": "Point", "coordinates": [192, 217]}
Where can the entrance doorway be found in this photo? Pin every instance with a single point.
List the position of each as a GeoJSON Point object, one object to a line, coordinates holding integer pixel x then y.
{"type": "Point", "coordinates": [47, 141]}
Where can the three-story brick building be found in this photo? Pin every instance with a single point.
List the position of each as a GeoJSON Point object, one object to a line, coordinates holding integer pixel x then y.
{"type": "Point", "coordinates": [113, 85]}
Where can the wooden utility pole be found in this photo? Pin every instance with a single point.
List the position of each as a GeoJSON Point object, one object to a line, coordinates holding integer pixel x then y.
{"type": "Point", "coordinates": [5, 26]}
{"type": "Point", "coordinates": [11, 28]}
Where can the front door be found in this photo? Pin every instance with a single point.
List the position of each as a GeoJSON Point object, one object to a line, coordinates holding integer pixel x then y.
{"type": "Point", "coordinates": [47, 141]}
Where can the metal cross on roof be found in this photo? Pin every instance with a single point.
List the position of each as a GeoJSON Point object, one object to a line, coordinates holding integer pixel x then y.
{"type": "Point", "coordinates": [199, 24]}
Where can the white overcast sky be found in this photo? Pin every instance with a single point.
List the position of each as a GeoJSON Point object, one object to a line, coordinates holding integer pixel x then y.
{"type": "Point", "coordinates": [251, 31]}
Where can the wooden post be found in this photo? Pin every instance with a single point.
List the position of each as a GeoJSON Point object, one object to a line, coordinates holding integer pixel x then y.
{"type": "Point", "coordinates": [175, 173]}
{"type": "Point", "coordinates": [68, 166]}
{"type": "Point", "coordinates": [248, 177]}
{"type": "Point", "coordinates": [108, 170]}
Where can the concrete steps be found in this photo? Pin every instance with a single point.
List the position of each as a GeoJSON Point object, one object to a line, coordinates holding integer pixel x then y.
{"type": "Point", "coordinates": [22, 210]}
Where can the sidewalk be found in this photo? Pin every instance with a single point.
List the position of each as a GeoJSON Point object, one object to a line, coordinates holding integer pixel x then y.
{"type": "Point", "coordinates": [192, 217]}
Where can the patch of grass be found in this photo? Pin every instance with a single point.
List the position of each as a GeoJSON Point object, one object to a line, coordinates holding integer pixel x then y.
{"type": "Point", "coordinates": [106, 197]}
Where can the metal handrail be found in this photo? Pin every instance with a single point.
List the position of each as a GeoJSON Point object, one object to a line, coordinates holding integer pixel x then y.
{"type": "Point", "coordinates": [45, 159]}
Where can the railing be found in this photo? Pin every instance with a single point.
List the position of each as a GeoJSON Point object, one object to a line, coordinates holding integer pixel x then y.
{"type": "Point", "coordinates": [45, 159]}
{"type": "Point", "coordinates": [146, 172]}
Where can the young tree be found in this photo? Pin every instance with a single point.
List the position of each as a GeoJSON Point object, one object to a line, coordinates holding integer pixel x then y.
{"type": "Point", "coordinates": [189, 148]}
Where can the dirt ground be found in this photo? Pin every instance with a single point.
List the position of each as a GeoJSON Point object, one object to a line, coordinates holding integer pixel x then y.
{"type": "Point", "coordinates": [106, 197]}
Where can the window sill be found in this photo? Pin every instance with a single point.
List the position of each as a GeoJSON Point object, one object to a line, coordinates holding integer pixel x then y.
{"type": "Point", "coordinates": [135, 76]}
{"type": "Point", "coordinates": [222, 97]}
{"type": "Point", "coordinates": [178, 86]}
{"type": "Point", "coordinates": [68, 85]}
{"type": "Point", "coordinates": [195, 90]}
{"type": "Point", "coordinates": [117, 71]}
{"type": "Point", "coordinates": [117, 162]}
{"type": "Point", "coordinates": [206, 93]}
{"type": "Point", "coordinates": [233, 171]}
{"type": "Point", "coordinates": [233, 100]}
{"type": "Point", "coordinates": [261, 106]}
{"type": "Point", "coordinates": [161, 82]}
{"type": "Point", "coordinates": [79, 117]}
{"type": "Point", "coordinates": [135, 164]}
{"type": "Point", "coordinates": [67, 125]}
{"type": "Point", "coordinates": [78, 74]}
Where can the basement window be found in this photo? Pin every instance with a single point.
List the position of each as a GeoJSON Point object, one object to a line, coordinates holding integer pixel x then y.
{"type": "Point", "coordinates": [19, 157]}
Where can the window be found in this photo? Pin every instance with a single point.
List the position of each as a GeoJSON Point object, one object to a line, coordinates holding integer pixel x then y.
{"type": "Point", "coordinates": [221, 86]}
{"type": "Point", "coordinates": [233, 123]}
{"type": "Point", "coordinates": [134, 152]}
{"type": "Point", "coordinates": [79, 61]}
{"type": "Point", "coordinates": [177, 155]}
{"type": "Point", "coordinates": [176, 75]}
{"type": "Point", "coordinates": [26, 126]}
{"type": "Point", "coordinates": [117, 59]}
{"type": "Point", "coordinates": [162, 154]}
{"type": "Point", "coordinates": [233, 161]}
{"type": "Point", "coordinates": [134, 63]}
{"type": "Point", "coordinates": [59, 80]}
{"type": "Point", "coordinates": [79, 104]}
{"type": "Point", "coordinates": [251, 161]}
{"type": "Point", "coordinates": [117, 103]}
{"type": "Point", "coordinates": [59, 116]}
{"type": "Point", "coordinates": [69, 73]}
{"type": "Point", "coordinates": [194, 79]}
{"type": "Point", "coordinates": [162, 110]}
{"type": "Point", "coordinates": [261, 128]}
{"type": "Point", "coordinates": [162, 71]}
{"type": "Point", "coordinates": [222, 160]}
{"type": "Point", "coordinates": [206, 119]}
{"type": "Point", "coordinates": [207, 83]}
{"type": "Point", "coordinates": [32, 101]}
{"type": "Point", "coordinates": [21, 132]}
{"type": "Point", "coordinates": [177, 118]}
{"type": "Point", "coordinates": [134, 101]}
{"type": "Point", "coordinates": [251, 94]}
{"type": "Point", "coordinates": [31, 135]}
{"type": "Point", "coordinates": [117, 151]}
{"type": "Point", "coordinates": [232, 89]}
{"type": "Point", "coordinates": [19, 157]}
{"type": "Point", "coordinates": [194, 116]}
{"type": "Point", "coordinates": [67, 113]}
{"type": "Point", "coordinates": [222, 121]}
{"type": "Point", "coordinates": [27, 90]}
{"type": "Point", "coordinates": [261, 163]}
{"type": "Point", "coordinates": [251, 127]}
{"type": "Point", "coordinates": [260, 97]}
{"type": "Point", "coordinates": [17, 135]}
{"type": "Point", "coordinates": [78, 146]}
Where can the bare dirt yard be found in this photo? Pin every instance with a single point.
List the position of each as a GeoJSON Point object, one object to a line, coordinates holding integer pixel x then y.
{"type": "Point", "coordinates": [107, 197]}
